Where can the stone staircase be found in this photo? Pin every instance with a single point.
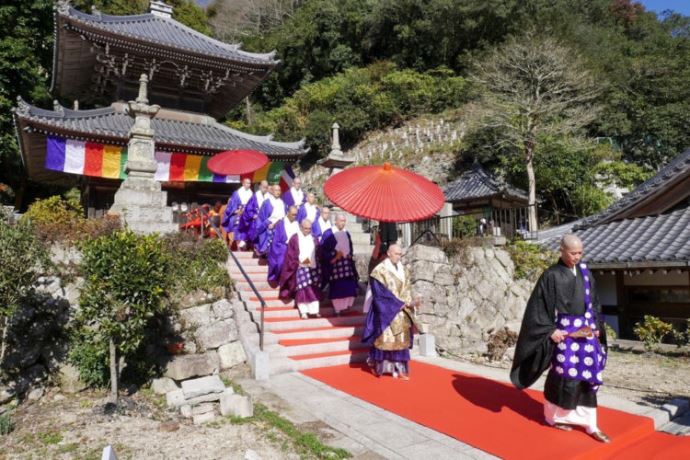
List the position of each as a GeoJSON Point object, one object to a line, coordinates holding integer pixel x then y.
{"type": "Point", "coordinates": [293, 343]}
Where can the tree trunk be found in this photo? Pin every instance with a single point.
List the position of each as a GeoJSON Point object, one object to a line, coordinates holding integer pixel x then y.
{"type": "Point", "coordinates": [532, 210]}
{"type": "Point", "coordinates": [113, 371]}
{"type": "Point", "coordinates": [3, 344]}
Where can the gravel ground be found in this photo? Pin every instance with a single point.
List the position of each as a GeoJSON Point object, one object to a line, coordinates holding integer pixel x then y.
{"type": "Point", "coordinates": [645, 378]}
{"type": "Point", "coordinates": [74, 426]}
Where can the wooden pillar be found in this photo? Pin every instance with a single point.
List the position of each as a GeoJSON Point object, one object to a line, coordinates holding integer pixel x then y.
{"type": "Point", "coordinates": [622, 300]}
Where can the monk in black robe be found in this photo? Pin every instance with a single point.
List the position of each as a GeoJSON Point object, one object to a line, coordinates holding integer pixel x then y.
{"type": "Point", "coordinates": [563, 331]}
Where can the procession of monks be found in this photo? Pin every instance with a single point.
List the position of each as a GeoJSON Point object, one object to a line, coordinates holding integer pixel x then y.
{"type": "Point", "coordinates": [307, 253]}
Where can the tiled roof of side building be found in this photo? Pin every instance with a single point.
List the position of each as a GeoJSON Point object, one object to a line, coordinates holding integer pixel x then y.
{"type": "Point", "coordinates": [675, 169]}
{"type": "Point", "coordinates": [477, 183]}
{"type": "Point", "coordinates": [662, 240]}
{"type": "Point", "coordinates": [164, 31]}
{"type": "Point", "coordinates": [188, 131]}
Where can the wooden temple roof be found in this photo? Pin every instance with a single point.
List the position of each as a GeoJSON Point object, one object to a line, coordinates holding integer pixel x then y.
{"type": "Point", "coordinates": [104, 55]}
{"type": "Point", "coordinates": [175, 131]}
{"type": "Point", "coordinates": [476, 183]}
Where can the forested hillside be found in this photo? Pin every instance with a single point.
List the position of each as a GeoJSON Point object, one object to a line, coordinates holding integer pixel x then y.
{"type": "Point", "coordinates": [571, 93]}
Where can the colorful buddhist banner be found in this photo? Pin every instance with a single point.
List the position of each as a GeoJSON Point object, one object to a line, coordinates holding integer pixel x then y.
{"type": "Point", "coordinates": [100, 160]}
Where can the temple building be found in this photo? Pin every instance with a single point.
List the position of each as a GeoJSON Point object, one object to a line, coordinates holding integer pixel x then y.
{"type": "Point", "coordinates": [98, 60]}
{"type": "Point", "coordinates": [639, 250]}
{"type": "Point", "coordinates": [480, 194]}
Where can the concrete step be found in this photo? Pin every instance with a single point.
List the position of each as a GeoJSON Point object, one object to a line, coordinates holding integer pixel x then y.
{"type": "Point", "coordinates": [255, 273]}
{"type": "Point", "coordinates": [287, 324]}
{"type": "Point", "coordinates": [261, 286]}
{"type": "Point", "coordinates": [318, 346]}
{"type": "Point", "coordinates": [253, 305]}
{"type": "Point", "coordinates": [329, 359]}
{"type": "Point", "coordinates": [329, 332]}
{"type": "Point", "coordinates": [291, 312]}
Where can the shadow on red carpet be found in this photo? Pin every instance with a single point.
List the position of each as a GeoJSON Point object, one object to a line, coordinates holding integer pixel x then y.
{"type": "Point", "coordinates": [497, 418]}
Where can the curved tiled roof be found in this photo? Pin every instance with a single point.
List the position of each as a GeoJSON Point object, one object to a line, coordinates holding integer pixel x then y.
{"type": "Point", "coordinates": [477, 183]}
{"type": "Point", "coordinates": [659, 240]}
{"type": "Point", "coordinates": [172, 129]}
{"type": "Point", "coordinates": [164, 31]}
{"type": "Point", "coordinates": [676, 168]}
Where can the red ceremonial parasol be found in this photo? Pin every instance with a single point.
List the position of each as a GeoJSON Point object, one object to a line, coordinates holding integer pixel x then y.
{"type": "Point", "coordinates": [237, 162]}
{"type": "Point", "coordinates": [384, 193]}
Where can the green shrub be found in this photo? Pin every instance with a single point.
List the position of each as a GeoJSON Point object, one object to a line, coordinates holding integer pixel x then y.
{"type": "Point", "coordinates": [530, 259]}
{"type": "Point", "coordinates": [464, 226]}
{"type": "Point", "coordinates": [196, 264]}
{"type": "Point", "coordinates": [360, 100]}
{"type": "Point", "coordinates": [62, 219]}
{"type": "Point", "coordinates": [127, 278]}
{"type": "Point", "coordinates": [652, 331]}
{"type": "Point", "coordinates": [23, 259]}
{"type": "Point", "coordinates": [6, 425]}
{"type": "Point", "coordinates": [611, 335]}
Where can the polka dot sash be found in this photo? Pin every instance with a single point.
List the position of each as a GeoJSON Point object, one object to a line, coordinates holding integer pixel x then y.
{"type": "Point", "coordinates": [580, 358]}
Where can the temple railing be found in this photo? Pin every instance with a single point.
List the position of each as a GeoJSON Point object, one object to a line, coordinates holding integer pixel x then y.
{"type": "Point", "coordinates": [500, 222]}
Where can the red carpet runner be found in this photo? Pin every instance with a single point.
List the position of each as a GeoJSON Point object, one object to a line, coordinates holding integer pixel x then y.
{"type": "Point", "coordinates": [497, 418]}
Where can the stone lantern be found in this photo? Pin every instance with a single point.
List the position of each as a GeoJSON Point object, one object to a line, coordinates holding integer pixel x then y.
{"type": "Point", "coordinates": [336, 160]}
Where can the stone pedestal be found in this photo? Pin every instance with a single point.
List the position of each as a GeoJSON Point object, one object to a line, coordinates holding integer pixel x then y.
{"type": "Point", "coordinates": [336, 160]}
{"type": "Point", "coordinates": [139, 201]}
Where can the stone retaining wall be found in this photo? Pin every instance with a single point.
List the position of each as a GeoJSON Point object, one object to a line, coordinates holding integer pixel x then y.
{"type": "Point", "coordinates": [468, 298]}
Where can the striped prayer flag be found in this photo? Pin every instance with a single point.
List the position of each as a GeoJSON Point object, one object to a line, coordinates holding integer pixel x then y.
{"type": "Point", "coordinates": [286, 177]}
{"type": "Point", "coordinates": [109, 161]}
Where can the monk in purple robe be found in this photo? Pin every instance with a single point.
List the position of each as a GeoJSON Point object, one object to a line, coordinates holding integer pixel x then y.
{"type": "Point", "coordinates": [234, 209]}
{"type": "Point", "coordinates": [338, 266]}
{"type": "Point", "coordinates": [322, 223]}
{"type": "Point", "coordinates": [300, 277]}
{"type": "Point", "coordinates": [308, 210]}
{"type": "Point", "coordinates": [247, 223]}
{"type": "Point", "coordinates": [391, 315]}
{"type": "Point", "coordinates": [284, 230]}
{"type": "Point", "coordinates": [294, 196]}
{"type": "Point", "coordinates": [271, 211]}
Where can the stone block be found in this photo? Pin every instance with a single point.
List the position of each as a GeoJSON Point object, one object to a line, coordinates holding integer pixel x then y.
{"type": "Point", "coordinates": [231, 354]}
{"type": "Point", "coordinates": [202, 386]}
{"type": "Point", "coordinates": [183, 367]}
{"type": "Point", "coordinates": [186, 411]}
{"type": "Point", "coordinates": [175, 398]}
{"type": "Point", "coordinates": [6, 394]}
{"type": "Point", "coordinates": [211, 397]}
{"type": "Point", "coordinates": [35, 394]}
{"type": "Point", "coordinates": [69, 379]}
{"type": "Point", "coordinates": [216, 334]}
{"type": "Point", "coordinates": [236, 405]}
{"type": "Point", "coordinates": [196, 316]}
{"type": "Point", "coordinates": [676, 407]}
{"type": "Point", "coordinates": [261, 369]}
{"type": "Point", "coordinates": [204, 418]}
{"type": "Point", "coordinates": [202, 408]}
{"type": "Point", "coordinates": [163, 385]}
{"type": "Point", "coordinates": [222, 309]}
{"type": "Point", "coordinates": [427, 345]}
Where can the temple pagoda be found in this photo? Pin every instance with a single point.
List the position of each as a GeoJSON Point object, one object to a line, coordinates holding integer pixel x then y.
{"type": "Point", "coordinates": [98, 60]}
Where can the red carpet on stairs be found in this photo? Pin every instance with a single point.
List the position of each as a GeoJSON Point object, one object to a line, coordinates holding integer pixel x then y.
{"type": "Point", "coordinates": [497, 418]}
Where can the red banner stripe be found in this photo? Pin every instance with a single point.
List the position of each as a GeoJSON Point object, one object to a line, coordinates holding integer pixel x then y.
{"type": "Point", "coordinates": [93, 159]}
{"type": "Point", "coordinates": [177, 162]}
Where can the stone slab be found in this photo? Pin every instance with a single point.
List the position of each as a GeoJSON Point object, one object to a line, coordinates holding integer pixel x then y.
{"type": "Point", "coordinates": [202, 386]}
{"type": "Point", "coordinates": [236, 405]}
{"type": "Point", "coordinates": [183, 367]}
{"type": "Point", "coordinates": [204, 418]}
